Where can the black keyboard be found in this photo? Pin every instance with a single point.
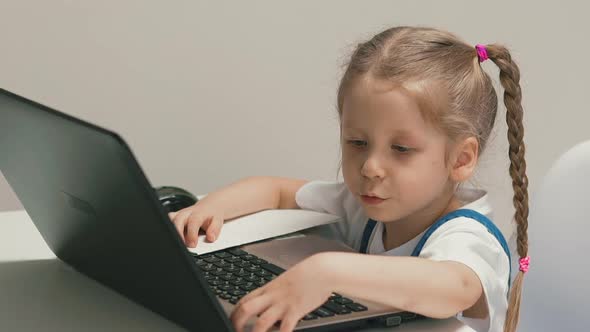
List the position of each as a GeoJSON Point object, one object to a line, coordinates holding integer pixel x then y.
{"type": "Point", "coordinates": [233, 273]}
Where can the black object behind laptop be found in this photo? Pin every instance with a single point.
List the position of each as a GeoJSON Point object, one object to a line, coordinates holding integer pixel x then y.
{"type": "Point", "coordinates": [175, 198]}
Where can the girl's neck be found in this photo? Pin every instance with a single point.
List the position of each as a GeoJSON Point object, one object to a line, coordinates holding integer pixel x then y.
{"type": "Point", "coordinates": [398, 232]}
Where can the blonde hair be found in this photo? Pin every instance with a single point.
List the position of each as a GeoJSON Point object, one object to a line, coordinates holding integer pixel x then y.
{"type": "Point", "coordinates": [426, 60]}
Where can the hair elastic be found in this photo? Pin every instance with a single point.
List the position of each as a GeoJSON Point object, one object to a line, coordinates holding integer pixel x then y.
{"type": "Point", "coordinates": [482, 53]}
{"type": "Point", "coordinates": [524, 264]}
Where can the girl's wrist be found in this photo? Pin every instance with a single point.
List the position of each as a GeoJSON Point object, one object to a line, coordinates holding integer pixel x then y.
{"type": "Point", "coordinates": [321, 265]}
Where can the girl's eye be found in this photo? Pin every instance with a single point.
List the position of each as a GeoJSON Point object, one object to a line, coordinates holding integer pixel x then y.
{"type": "Point", "coordinates": [398, 148]}
{"type": "Point", "coordinates": [357, 143]}
{"type": "Point", "coordinates": [401, 148]}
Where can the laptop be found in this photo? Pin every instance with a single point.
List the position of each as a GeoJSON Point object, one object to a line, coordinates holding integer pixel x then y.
{"type": "Point", "coordinates": [92, 203]}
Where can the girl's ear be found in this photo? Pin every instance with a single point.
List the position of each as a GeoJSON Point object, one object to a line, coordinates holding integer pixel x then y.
{"type": "Point", "coordinates": [464, 159]}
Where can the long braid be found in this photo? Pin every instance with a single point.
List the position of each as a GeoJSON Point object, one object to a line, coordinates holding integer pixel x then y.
{"type": "Point", "coordinates": [509, 78]}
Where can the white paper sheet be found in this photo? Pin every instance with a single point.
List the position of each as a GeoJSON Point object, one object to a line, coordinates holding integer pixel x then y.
{"type": "Point", "coordinates": [262, 225]}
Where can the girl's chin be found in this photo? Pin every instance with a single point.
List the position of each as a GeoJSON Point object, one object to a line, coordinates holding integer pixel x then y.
{"type": "Point", "coordinates": [378, 213]}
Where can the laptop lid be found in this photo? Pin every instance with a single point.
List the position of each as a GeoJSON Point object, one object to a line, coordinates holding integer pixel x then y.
{"type": "Point", "coordinates": [90, 200]}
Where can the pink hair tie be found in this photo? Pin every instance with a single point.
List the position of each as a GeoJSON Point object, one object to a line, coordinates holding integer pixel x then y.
{"type": "Point", "coordinates": [524, 264]}
{"type": "Point", "coordinates": [482, 53]}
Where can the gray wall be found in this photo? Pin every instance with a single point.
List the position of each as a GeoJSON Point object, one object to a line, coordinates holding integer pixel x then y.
{"type": "Point", "coordinates": [248, 87]}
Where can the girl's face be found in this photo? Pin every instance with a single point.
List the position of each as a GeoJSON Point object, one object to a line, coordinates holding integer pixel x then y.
{"type": "Point", "coordinates": [390, 151]}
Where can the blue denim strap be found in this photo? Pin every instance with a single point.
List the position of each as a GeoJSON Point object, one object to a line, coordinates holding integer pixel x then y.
{"type": "Point", "coordinates": [367, 235]}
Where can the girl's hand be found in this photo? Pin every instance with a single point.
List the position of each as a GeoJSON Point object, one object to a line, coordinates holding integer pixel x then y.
{"type": "Point", "coordinates": [189, 220]}
{"type": "Point", "coordinates": [288, 298]}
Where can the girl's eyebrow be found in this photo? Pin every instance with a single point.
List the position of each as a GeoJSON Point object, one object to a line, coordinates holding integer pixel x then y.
{"type": "Point", "coordinates": [402, 136]}
{"type": "Point", "coordinates": [351, 129]}
{"type": "Point", "coordinates": [403, 133]}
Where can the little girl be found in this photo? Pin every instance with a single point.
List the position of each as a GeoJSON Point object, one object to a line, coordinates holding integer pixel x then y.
{"type": "Point", "coordinates": [416, 110]}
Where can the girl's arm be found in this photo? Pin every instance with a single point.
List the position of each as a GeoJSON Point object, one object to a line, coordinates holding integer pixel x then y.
{"type": "Point", "coordinates": [255, 193]}
{"type": "Point", "coordinates": [438, 289]}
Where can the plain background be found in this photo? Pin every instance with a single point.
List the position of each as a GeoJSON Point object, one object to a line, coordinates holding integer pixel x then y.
{"type": "Point", "coordinates": [208, 92]}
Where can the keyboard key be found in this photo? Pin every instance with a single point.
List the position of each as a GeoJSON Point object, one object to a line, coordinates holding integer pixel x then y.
{"type": "Point", "coordinates": [210, 277]}
{"type": "Point", "coordinates": [207, 267]}
{"type": "Point", "coordinates": [231, 268]}
{"type": "Point", "coordinates": [356, 307]}
{"type": "Point", "coordinates": [233, 259]}
{"type": "Point", "coordinates": [228, 276]}
{"type": "Point", "coordinates": [225, 287]}
{"type": "Point", "coordinates": [258, 261]}
{"type": "Point", "coordinates": [262, 273]}
{"type": "Point", "coordinates": [215, 282]}
{"type": "Point", "coordinates": [342, 300]}
{"type": "Point", "coordinates": [211, 259]}
{"type": "Point", "coordinates": [222, 263]}
{"type": "Point", "coordinates": [217, 271]}
{"type": "Point", "coordinates": [310, 316]}
{"type": "Point", "coordinates": [242, 264]}
{"type": "Point", "coordinates": [237, 252]}
{"type": "Point", "coordinates": [272, 268]}
{"type": "Point", "coordinates": [237, 292]}
{"type": "Point", "coordinates": [238, 281]}
{"type": "Point", "coordinates": [252, 277]}
{"type": "Point", "coordinates": [241, 273]}
{"type": "Point", "coordinates": [322, 312]}
{"type": "Point", "coordinates": [222, 254]}
{"type": "Point", "coordinates": [336, 308]}
{"type": "Point", "coordinates": [252, 268]}
{"type": "Point", "coordinates": [249, 286]}
{"type": "Point", "coordinates": [248, 257]}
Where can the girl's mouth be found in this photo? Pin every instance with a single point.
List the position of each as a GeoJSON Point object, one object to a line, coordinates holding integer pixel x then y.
{"type": "Point", "coordinates": [371, 200]}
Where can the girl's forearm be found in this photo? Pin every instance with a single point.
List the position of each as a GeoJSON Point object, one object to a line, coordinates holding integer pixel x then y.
{"type": "Point", "coordinates": [430, 288]}
{"type": "Point", "coordinates": [245, 196]}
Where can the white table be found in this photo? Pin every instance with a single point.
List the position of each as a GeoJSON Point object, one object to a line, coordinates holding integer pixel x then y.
{"type": "Point", "coordinates": [39, 292]}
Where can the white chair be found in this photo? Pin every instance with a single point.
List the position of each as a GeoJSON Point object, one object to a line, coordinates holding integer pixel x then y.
{"type": "Point", "coordinates": [556, 290]}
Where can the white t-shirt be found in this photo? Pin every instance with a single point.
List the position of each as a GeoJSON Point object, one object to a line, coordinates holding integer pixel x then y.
{"type": "Point", "coordinates": [460, 239]}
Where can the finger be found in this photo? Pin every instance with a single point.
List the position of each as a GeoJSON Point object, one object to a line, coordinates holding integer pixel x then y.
{"type": "Point", "coordinates": [213, 228]}
{"type": "Point", "coordinates": [255, 293]}
{"type": "Point", "coordinates": [171, 215]}
{"type": "Point", "coordinates": [193, 224]}
{"type": "Point", "coordinates": [269, 318]}
{"type": "Point", "coordinates": [288, 322]}
{"type": "Point", "coordinates": [179, 222]}
{"type": "Point", "coordinates": [243, 312]}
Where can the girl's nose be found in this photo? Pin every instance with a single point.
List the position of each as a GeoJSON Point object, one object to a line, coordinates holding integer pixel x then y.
{"type": "Point", "coordinates": [373, 167]}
